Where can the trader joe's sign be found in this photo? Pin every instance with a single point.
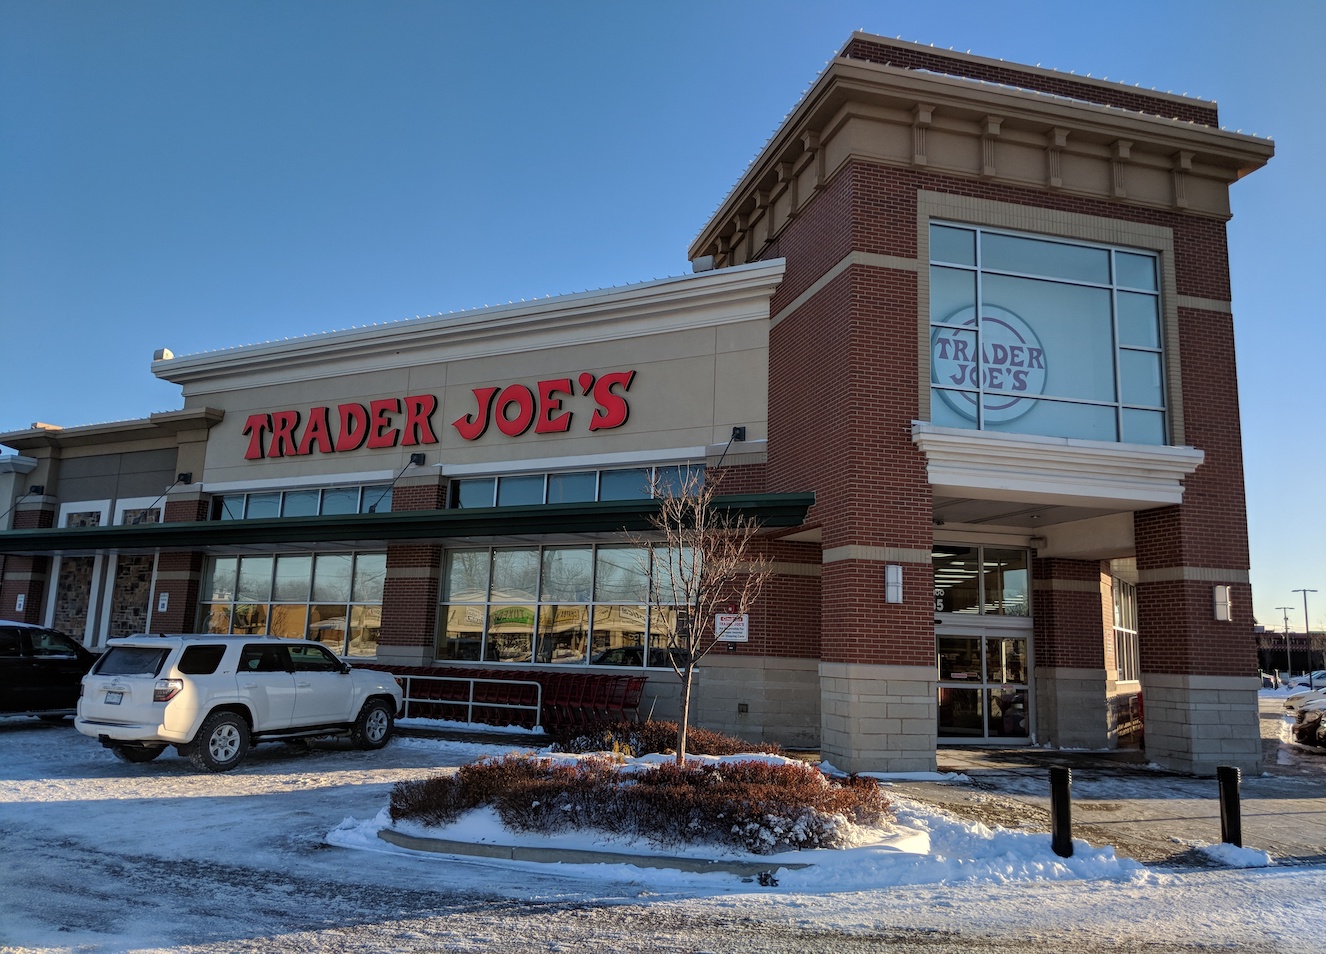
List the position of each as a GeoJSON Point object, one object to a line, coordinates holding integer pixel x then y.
{"type": "Point", "coordinates": [999, 360]}
{"type": "Point", "coordinates": [549, 407]}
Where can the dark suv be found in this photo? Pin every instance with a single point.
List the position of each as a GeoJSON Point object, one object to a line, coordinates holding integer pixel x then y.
{"type": "Point", "coordinates": [40, 670]}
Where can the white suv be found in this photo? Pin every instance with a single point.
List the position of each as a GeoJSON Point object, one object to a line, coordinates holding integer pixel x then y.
{"type": "Point", "coordinates": [214, 696]}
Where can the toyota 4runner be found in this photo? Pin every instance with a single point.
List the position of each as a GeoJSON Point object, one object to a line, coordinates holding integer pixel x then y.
{"type": "Point", "coordinates": [212, 697]}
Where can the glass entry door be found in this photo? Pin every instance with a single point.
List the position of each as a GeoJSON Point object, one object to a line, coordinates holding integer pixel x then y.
{"type": "Point", "coordinates": [984, 683]}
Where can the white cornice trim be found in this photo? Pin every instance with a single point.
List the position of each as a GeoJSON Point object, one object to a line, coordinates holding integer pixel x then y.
{"type": "Point", "coordinates": [17, 464]}
{"type": "Point", "coordinates": [704, 300]}
{"type": "Point", "coordinates": [991, 466]}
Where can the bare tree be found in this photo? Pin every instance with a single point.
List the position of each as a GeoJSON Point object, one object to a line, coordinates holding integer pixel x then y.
{"type": "Point", "coordinates": [704, 564]}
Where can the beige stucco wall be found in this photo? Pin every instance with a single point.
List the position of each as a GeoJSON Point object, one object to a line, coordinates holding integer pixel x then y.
{"type": "Point", "coordinates": [699, 347]}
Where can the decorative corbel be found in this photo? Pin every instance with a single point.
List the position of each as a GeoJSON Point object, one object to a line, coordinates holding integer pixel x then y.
{"type": "Point", "coordinates": [763, 211]}
{"type": "Point", "coordinates": [989, 134]}
{"type": "Point", "coordinates": [787, 178]}
{"type": "Point", "coordinates": [1056, 141]}
{"type": "Point", "coordinates": [1182, 165]}
{"type": "Point", "coordinates": [810, 140]}
{"type": "Point", "coordinates": [1121, 151]}
{"type": "Point", "coordinates": [724, 258]}
{"type": "Point", "coordinates": [922, 116]}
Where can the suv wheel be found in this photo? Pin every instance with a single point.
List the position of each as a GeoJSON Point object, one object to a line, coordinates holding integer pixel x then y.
{"type": "Point", "coordinates": [373, 728]}
{"type": "Point", "coordinates": [137, 753]}
{"type": "Point", "coordinates": [221, 743]}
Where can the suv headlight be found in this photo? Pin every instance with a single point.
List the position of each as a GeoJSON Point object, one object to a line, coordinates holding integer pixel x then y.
{"type": "Point", "coordinates": [166, 689]}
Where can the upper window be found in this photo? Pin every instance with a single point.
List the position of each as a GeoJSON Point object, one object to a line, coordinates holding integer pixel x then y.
{"type": "Point", "coordinates": [1037, 336]}
{"type": "Point", "coordinates": [983, 580]}
{"type": "Point", "coordinates": [374, 498]}
{"type": "Point", "coordinates": [636, 483]}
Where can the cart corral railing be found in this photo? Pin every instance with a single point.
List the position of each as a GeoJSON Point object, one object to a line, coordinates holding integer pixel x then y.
{"type": "Point", "coordinates": [530, 699]}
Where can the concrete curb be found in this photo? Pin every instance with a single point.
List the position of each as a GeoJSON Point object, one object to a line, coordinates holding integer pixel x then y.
{"type": "Point", "coordinates": [577, 856]}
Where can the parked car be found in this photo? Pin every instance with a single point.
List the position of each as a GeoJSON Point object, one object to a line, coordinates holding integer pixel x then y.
{"type": "Point", "coordinates": [1301, 697]}
{"type": "Point", "coordinates": [1310, 723]}
{"type": "Point", "coordinates": [40, 670]}
{"type": "Point", "coordinates": [212, 697]}
{"type": "Point", "coordinates": [1310, 679]}
{"type": "Point", "coordinates": [634, 656]}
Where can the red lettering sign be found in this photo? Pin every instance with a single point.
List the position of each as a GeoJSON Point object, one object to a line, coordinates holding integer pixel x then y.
{"type": "Point", "coordinates": [613, 409]}
{"type": "Point", "coordinates": [279, 434]}
{"type": "Point", "coordinates": [408, 421]}
{"type": "Point", "coordinates": [515, 406]}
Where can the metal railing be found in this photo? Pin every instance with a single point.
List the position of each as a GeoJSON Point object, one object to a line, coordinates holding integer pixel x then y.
{"type": "Point", "coordinates": [427, 694]}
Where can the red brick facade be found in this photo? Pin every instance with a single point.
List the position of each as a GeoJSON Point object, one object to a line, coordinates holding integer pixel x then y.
{"type": "Point", "coordinates": [847, 341]}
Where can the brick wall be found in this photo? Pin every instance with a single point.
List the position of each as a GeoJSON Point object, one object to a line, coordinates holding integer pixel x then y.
{"type": "Point", "coordinates": [843, 391]}
{"type": "Point", "coordinates": [26, 576]}
{"type": "Point", "coordinates": [179, 574]}
{"type": "Point", "coordinates": [410, 591]}
{"type": "Point", "coordinates": [1069, 621]}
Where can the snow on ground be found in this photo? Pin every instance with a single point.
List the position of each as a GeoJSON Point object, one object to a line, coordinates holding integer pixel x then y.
{"type": "Point", "coordinates": [922, 846]}
{"type": "Point", "coordinates": [283, 855]}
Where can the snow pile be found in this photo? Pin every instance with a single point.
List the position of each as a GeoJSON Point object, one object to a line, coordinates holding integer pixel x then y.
{"type": "Point", "coordinates": [922, 846]}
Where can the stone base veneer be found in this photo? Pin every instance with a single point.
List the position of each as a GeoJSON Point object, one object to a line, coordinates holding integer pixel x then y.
{"type": "Point", "coordinates": [405, 655]}
{"type": "Point", "coordinates": [1198, 723]}
{"type": "Point", "coordinates": [1071, 708]}
{"type": "Point", "coordinates": [781, 697]}
{"type": "Point", "coordinates": [878, 718]}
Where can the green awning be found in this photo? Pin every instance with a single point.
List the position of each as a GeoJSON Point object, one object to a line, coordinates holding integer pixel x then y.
{"type": "Point", "coordinates": [576, 521]}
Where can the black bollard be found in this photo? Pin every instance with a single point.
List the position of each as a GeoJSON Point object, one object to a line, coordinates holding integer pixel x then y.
{"type": "Point", "coordinates": [1061, 811]}
{"type": "Point", "coordinates": [1231, 819]}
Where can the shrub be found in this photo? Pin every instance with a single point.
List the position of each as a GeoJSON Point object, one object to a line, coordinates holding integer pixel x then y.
{"type": "Point", "coordinates": [756, 806]}
{"type": "Point", "coordinates": [652, 738]}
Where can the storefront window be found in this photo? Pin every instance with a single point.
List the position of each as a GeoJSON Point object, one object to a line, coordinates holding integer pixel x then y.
{"type": "Point", "coordinates": [1036, 336]}
{"type": "Point", "coordinates": [982, 580]}
{"type": "Point", "coordinates": [983, 686]}
{"type": "Point", "coordinates": [567, 605]}
{"type": "Point", "coordinates": [335, 598]}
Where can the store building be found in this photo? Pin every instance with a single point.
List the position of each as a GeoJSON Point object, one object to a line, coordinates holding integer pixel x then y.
{"type": "Point", "coordinates": [961, 337]}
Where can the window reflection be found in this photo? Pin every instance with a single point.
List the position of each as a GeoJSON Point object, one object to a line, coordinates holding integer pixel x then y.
{"type": "Point", "coordinates": [981, 580]}
{"type": "Point", "coordinates": [334, 598]}
{"type": "Point", "coordinates": [569, 604]}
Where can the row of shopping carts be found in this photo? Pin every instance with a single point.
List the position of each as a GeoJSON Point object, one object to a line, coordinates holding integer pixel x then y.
{"type": "Point", "coordinates": [526, 698]}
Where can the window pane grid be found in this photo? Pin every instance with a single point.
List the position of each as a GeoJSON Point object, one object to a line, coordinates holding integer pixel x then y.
{"type": "Point", "coordinates": [335, 598]}
{"type": "Point", "coordinates": [1126, 648]}
{"type": "Point", "coordinates": [986, 372]}
{"type": "Point", "coordinates": [556, 604]}
{"type": "Point", "coordinates": [303, 503]}
{"type": "Point", "coordinates": [633, 483]}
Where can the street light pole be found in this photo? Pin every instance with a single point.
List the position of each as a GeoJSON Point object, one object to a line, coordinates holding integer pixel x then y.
{"type": "Point", "coordinates": [1307, 632]}
{"type": "Point", "coordinates": [1288, 665]}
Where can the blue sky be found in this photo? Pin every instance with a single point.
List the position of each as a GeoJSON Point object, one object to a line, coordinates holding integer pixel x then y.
{"type": "Point", "coordinates": [202, 175]}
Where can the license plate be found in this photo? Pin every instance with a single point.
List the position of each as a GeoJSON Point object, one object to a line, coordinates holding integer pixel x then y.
{"type": "Point", "coordinates": [113, 698]}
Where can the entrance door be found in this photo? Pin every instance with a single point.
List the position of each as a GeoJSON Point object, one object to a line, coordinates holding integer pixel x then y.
{"type": "Point", "coordinates": [984, 682]}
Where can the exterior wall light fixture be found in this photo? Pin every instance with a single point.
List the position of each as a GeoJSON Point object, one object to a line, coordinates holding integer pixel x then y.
{"type": "Point", "coordinates": [892, 583]}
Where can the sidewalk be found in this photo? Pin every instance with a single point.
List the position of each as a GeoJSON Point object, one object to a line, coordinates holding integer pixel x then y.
{"type": "Point", "coordinates": [1146, 813]}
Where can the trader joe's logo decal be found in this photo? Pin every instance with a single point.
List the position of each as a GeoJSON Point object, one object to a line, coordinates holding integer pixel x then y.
{"type": "Point", "coordinates": [1002, 358]}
